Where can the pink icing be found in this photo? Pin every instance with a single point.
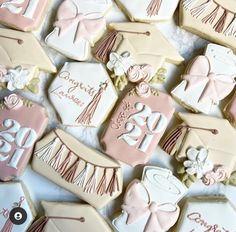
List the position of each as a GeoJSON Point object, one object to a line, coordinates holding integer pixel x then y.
{"type": "Point", "coordinates": [140, 73]}
{"type": "Point", "coordinates": [19, 21]}
{"type": "Point", "coordinates": [121, 150]}
{"type": "Point", "coordinates": [231, 110]}
{"type": "Point", "coordinates": [37, 121]}
{"type": "Point", "coordinates": [143, 90]}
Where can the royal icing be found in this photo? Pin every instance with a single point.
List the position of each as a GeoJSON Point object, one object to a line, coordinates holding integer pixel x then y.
{"type": "Point", "coordinates": [230, 111]}
{"type": "Point", "coordinates": [208, 80]}
{"type": "Point", "coordinates": [15, 206]}
{"type": "Point", "coordinates": [149, 10]}
{"type": "Point", "coordinates": [24, 15]}
{"type": "Point", "coordinates": [75, 32]}
{"type": "Point", "coordinates": [86, 102]}
{"type": "Point", "coordinates": [18, 133]}
{"type": "Point", "coordinates": [201, 214]}
{"type": "Point", "coordinates": [87, 173]}
{"type": "Point", "coordinates": [151, 204]}
{"type": "Point", "coordinates": [203, 147]}
{"type": "Point", "coordinates": [212, 19]}
{"type": "Point", "coordinates": [137, 125]}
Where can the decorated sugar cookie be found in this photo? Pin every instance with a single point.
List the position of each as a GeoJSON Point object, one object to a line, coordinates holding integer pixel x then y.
{"type": "Point", "coordinates": [208, 79]}
{"type": "Point", "coordinates": [86, 93]}
{"type": "Point", "coordinates": [16, 209]}
{"type": "Point", "coordinates": [25, 15]}
{"type": "Point", "coordinates": [214, 20]}
{"type": "Point", "coordinates": [151, 204]}
{"type": "Point", "coordinates": [87, 173]}
{"type": "Point", "coordinates": [18, 133]}
{"type": "Point", "coordinates": [230, 110]}
{"type": "Point", "coordinates": [207, 213]}
{"type": "Point", "coordinates": [130, 52]}
{"type": "Point", "coordinates": [137, 125]}
{"type": "Point", "coordinates": [21, 59]}
{"type": "Point", "coordinates": [74, 31]}
{"type": "Point", "coordinates": [69, 217]}
{"type": "Point", "coordinates": [148, 10]}
{"type": "Point", "coordinates": [204, 148]}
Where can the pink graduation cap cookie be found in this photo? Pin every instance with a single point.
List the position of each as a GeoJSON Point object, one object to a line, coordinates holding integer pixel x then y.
{"type": "Point", "coordinates": [137, 125]}
{"type": "Point", "coordinates": [18, 133]}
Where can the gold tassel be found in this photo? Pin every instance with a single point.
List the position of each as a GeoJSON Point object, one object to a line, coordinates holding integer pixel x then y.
{"type": "Point", "coordinates": [70, 174]}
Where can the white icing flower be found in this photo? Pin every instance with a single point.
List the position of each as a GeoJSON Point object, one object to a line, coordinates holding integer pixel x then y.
{"type": "Point", "coordinates": [17, 78]}
{"type": "Point", "coordinates": [119, 63]}
{"type": "Point", "coordinates": [3, 72]}
{"type": "Point", "coordinates": [198, 162]}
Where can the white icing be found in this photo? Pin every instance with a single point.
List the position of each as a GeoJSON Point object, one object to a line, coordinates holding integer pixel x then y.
{"type": "Point", "coordinates": [12, 6]}
{"type": "Point", "coordinates": [137, 9]}
{"type": "Point", "coordinates": [147, 140]}
{"type": "Point", "coordinates": [11, 193]}
{"type": "Point", "coordinates": [84, 73]}
{"type": "Point", "coordinates": [31, 8]}
{"type": "Point", "coordinates": [16, 158]}
{"type": "Point", "coordinates": [213, 212]}
{"type": "Point", "coordinates": [26, 137]}
{"type": "Point", "coordinates": [157, 122]}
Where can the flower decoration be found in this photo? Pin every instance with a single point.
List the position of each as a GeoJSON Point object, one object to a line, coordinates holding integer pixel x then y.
{"type": "Point", "coordinates": [13, 101]}
{"type": "Point", "coordinates": [3, 72]}
{"type": "Point", "coordinates": [198, 163]}
{"type": "Point", "coordinates": [119, 63]}
{"type": "Point", "coordinates": [143, 90]}
{"type": "Point", "coordinates": [140, 73]}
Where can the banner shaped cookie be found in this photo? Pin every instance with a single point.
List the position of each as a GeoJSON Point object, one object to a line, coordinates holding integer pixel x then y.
{"type": "Point", "coordinates": [230, 111]}
{"type": "Point", "coordinates": [25, 15]}
{"type": "Point", "coordinates": [22, 122]}
{"type": "Point", "coordinates": [148, 10]}
{"type": "Point", "coordinates": [214, 20]}
{"type": "Point", "coordinates": [137, 125]}
{"type": "Point", "coordinates": [87, 173]}
{"type": "Point", "coordinates": [75, 32]}
{"type": "Point", "coordinates": [16, 209]}
{"type": "Point", "coordinates": [21, 58]}
{"type": "Point", "coordinates": [69, 217]}
{"type": "Point", "coordinates": [151, 204]}
{"type": "Point", "coordinates": [208, 79]}
{"type": "Point", "coordinates": [207, 213]}
{"type": "Point", "coordinates": [86, 93]}
{"type": "Point", "coordinates": [204, 147]}
{"type": "Point", "coordinates": [131, 53]}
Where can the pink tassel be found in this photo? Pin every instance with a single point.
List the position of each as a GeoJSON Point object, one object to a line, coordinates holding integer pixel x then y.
{"type": "Point", "coordinates": [113, 186]}
{"type": "Point", "coordinates": [39, 225]}
{"type": "Point", "coordinates": [219, 26]}
{"type": "Point", "coordinates": [8, 226]}
{"type": "Point", "coordinates": [211, 17]}
{"type": "Point", "coordinates": [56, 160]}
{"type": "Point", "coordinates": [64, 165]}
{"type": "Point", "coordinates": [231, 29]}
{"type": "Point", "coordinates": [154, 7]}
{"type": "Point", "coordinates": [101, 188]}
{"type": "Point", "coordinates": [90, 187]}
{"type": "Point", "coordinates": [198, 10]}
{"type": "Point", "coordinates": [80, 179]}
{"type": "Point", "coordinates": [70, 174]}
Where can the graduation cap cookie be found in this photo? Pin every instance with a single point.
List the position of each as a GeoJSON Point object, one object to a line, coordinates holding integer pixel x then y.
{"type": "Point", "coordinates": [21, 59]}
{"type": "Point", "coordinates": [131, 53]}
{"type": "Point", "coordinates": [204, 148]}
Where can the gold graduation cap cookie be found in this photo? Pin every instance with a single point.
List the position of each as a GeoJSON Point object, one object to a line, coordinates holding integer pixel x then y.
{"type": "Point", "coordinates": [135, 52]}
{"type": "Point", "coordinates": [205, 148]}
{"type": "Point", "coordinates": [69, 217]}
{"type": "Point", "coordinates": [21, 57]}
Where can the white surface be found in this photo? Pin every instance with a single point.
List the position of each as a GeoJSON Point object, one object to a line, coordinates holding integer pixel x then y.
{"type": "Point", "coordinates": [188, 45]}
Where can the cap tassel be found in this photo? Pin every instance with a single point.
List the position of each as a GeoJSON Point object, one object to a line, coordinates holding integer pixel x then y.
{"type": "Point", "coordinates": [101, 188]}
{"type": "Point", "coordinates": [90, 187]}
{"type": "Point", "coordinates": [154, 7]}
{"type": "Point", "coordinates": [219, 26]}
{"type": "Point", "coordinates": [113, 186]}
{"type": "Point", "coordinates": [70, 174]}
{"type": "Point", "coordinates": [8, 226]}
{"type": "Point", "coordinates": [64, 165]}
{"type": "Point", "coordinates": [80, 179]}
{"type": "Point", "coordinates": [56, 160]}
{"type": "Point", "coordinates": [198, 10]}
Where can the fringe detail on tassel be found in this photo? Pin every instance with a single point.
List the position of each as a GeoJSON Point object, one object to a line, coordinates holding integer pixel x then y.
{"type": "Point", "coordinates": [211, 17]}
{"type": "Point", "coordinates": [80, 179]}
{"type": "Point", "coordinates": [90, 187]}
{"type": "Point", "coordinates": [39, 225]}
{"type": "Point", "coordinates": [101, 188]}
{"type": "Point", "coordinates": [187, 4]}
{"type": "Point", "coordinates": [70, 174]}
{"type": "Point", "coordinates": [64, 165]}
{"type": "Point", "coordinates": [154, 7]}
{"type": "Point", "coordinates": [219, 26]}
{"type": "Point", "coordinates": [171, 140]}
{"type": "Point", "coordinates": [8, 226]}
{"type": "Point", "coordinates": [231, 29]}
{"type": "Point", "coordinates": [56, 160]}
{"type": "Point", "coordinates": [105, 46]}
{"type": "Point", "coordinates": [113, 186]}
{"type": "Point", "coordinates": [198, 10]}
{"type": "Point", "coordinates": [45, 152]}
